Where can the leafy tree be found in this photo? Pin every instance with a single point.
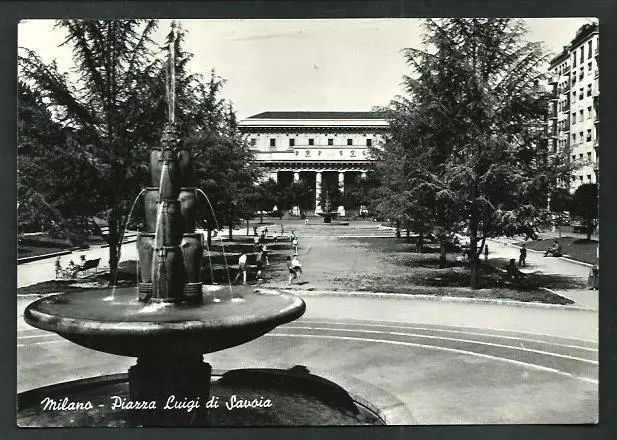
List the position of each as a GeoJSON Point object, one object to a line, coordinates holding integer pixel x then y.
{"type": "Point", "coordinates": [265, 196]}
{"type": "Point", "coordinates": [585, 206]}
{"type": "Point", "coordinates": [477, 112]}
{"type": "Point", "coordinates": [105, 108]}
{"type": "Point", "coordinates": [362, 191]}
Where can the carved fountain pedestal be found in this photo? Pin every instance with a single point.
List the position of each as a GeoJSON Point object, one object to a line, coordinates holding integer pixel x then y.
{"type": "Point", "coordinates": [165, 323]}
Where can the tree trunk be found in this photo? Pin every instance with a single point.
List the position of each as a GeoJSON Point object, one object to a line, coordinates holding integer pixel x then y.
{"type": "Point", "coordinates": [420, 243]}
{"type": "Point", "coordinates": [113, 238]}
{"type": "Point", "coordinates": [398, 229]}
{"type": "Point", "coordinates": [407, 235]}
{"type": "Point", "coordinates": [442, 253]}
{"type": "Point", "coordinates": [231, 230]}
{"type": "Point", "coordinates": [473, 245]}
{"type": "Point", "coordinates": [261, 217]}
{"type": "Point", "coordinates": [209, 238]}
{"type": "Point", "coordinates": [247, 227]}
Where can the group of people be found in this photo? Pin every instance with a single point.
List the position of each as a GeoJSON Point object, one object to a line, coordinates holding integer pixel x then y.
{"type": "Point", "coordinates": [71, 270]}
{"type": "Point", "coordinates": [260, 248]}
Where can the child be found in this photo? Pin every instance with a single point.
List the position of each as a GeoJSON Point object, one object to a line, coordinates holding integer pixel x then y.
{"type": "Point", "coordinates": [264, 251]}
{"type": "Point", "coordinates": [259, 265]}
{"type": "Point", "coordinates": [522, 257]}
{"type": "Point", "coordinates": [297, 266]}
{"type": "Point", "coordinates": [58, 267]}
{"type": "Point", "coordinates": [241, 268]}
{"type": "Point", "coordinates": [292, 272]}
{"type": "Point", "coordinates": [294, 243]}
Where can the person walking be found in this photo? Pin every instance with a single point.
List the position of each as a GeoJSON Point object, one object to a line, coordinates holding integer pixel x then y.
{"type": "Point", "coordinates": [58, 267]}
{"type": "Point", "coordinates": [241, 268]}
{"type": "Point", "coordinates": [264, 251]}
{"type": "Point", "coordinates": [292, 272]}
{"type": "Point", "coordinates": [294, 243]}
{"type": "Point", "coordinates": [295, 262]}
{"type": "Point", "coordinates": [522, 256]}
{"type": "Point", "coordinates": [259, 263]}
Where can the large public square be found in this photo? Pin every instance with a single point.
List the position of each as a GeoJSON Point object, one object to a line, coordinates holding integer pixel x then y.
{"type": "Point", "coordinates": [420, 355]}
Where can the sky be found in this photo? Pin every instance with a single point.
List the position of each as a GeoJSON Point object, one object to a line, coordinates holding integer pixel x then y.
{"type": "Point", "coordinates": [301, 64]}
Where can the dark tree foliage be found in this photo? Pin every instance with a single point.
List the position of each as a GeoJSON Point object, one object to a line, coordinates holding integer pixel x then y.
{"type": "Point", "coordinates": [90, 132]}
{"type": "Point", "coordinates": [470, 132]}
{"type": "Point", "coordinates": [585, 205]}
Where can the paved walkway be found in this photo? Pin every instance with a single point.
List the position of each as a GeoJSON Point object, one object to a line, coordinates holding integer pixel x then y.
{"type": "Point", "coordinates": [504, 248]}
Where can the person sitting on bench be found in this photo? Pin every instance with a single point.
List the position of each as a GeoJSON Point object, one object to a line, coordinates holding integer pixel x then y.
{"type": "Point", "coordinates": [554, 250]}
{"type": "Point", "coordinates": [512, 270]}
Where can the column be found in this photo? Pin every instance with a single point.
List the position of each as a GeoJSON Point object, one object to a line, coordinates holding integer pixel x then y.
{"type": "Point", "coordinates": [317, 191]}
{"type": "Point", "coordinates": [274, 175]}
{"type": "Point", "coordinates": [296, 176]}
{"type": "Point", "coordinates": [341, 181]}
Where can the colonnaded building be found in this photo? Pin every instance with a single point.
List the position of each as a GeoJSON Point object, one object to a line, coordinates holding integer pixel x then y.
{"type": "Point", "coordinates": [319, 148]}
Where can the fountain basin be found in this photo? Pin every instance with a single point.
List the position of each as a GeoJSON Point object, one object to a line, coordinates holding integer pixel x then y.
{"type": "Point", "coordinates": [116, 322]}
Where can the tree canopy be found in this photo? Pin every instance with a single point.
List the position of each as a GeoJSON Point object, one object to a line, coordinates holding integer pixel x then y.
{"type": "Point", "coordinates": [467, 148]}
{"type": "Point", "coordinates": [90, 131]}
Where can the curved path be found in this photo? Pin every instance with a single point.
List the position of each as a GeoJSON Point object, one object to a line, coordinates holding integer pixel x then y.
{"type": "Point", "coordinates": [446, 362]}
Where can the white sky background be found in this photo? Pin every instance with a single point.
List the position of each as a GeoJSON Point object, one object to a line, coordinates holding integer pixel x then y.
{"type": "Point", "coordinates": [283, 65]}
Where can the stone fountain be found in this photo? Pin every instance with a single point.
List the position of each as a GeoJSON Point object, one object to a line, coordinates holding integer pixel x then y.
{"type": "Point", "coordinates": [327, 212]}
{"type": "Point", "coordinates": [167, 322]}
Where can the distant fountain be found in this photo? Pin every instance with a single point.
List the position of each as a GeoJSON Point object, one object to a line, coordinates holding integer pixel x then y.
{"type": "Point", "coordinates": [327, 212]}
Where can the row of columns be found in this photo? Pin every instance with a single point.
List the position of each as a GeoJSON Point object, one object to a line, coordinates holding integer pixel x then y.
{"type": "Point", "coordinates": [341, 181]}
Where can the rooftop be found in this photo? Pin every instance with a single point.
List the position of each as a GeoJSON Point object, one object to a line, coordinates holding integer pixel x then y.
{"type": "Point", "coordinates": [319, 115]}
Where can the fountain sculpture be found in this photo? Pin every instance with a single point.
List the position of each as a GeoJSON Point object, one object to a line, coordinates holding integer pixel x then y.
{"type": "Point", "coordinates": [327, 212]}
{"type": "Point", "coordinates": [170, 321]}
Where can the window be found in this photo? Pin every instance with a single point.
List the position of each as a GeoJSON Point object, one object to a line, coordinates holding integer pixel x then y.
{"type": "Point", "coordinates": [588, 89]}
{"type": "Point", "coordinates": [573, 157]}
{"type": "Point", "coordinates": [588, 139]}
{"type": "Point", "coordinates": [580, 178]}
{"type": "Point", "coordinates": [574, 80]}
{"type": "Point", "coordinates": [582, 54]}
{"type": "Point", "coordinates": [369, 142]}
{"type": "Point", "coordinates": [580, 93]}
{"type": "Point", "coordinates": [349, 141]}
{"type": "Point", "coordinates": [580, 115]}
{"type": "Point", "coordinates": [588, 112]}
{"type": "Point", "coordinates": [330, 141]}
{"type": "Point", "coordinates": [253, 142]}
{"type": "Point", "coordinates": [589, 67]}
{"type": "Point", "coordinates": [573, 178]}
{"type": "Point", "coordinates": [292, 142]}
{"type": "Point", "coordinates": [580, 137]}
{"type": "Point", "coordinates": [311, 141]}
{"type": "Point", "coordinates": [573, 138]}
{"type": "Point", "coordinates": [589, 156]}
{"type": "Point", "coordinates": [573, 117]}
{"type": "Point", "coordinates": [573, 60]}
{"type": "Point", "coordinates": [574, 96]}
{"type": "Point", "coordinates": [589, 45]}
{"type": "Point", "coordinates": [589, 177]}
{"type": "Point", "coordinates": [272, 142]}
{"type": "Point", "coordinates": [580, 156]}
{"type": "Point", "coordinates": [581, 73]}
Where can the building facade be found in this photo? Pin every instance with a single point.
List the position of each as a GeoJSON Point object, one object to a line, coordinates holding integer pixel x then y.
{"type": "Point", "coordinates": [316, 147]}
{"type": "Point", "coordinates": [573, 110]}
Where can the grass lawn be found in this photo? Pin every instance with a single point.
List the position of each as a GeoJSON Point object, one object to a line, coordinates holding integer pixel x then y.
{"type": "Point", "coordinates": [366, 264]}
{"type": "Point", "coordinates": [41, 244]}
{"type": "Point", "coordinates": [391, 265]}
{"type": "Point", "coordinates": [578, 249]}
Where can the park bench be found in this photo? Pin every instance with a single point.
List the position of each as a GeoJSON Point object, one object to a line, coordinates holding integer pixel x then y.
{"type": "Point", "coordinates": [89, 264]}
